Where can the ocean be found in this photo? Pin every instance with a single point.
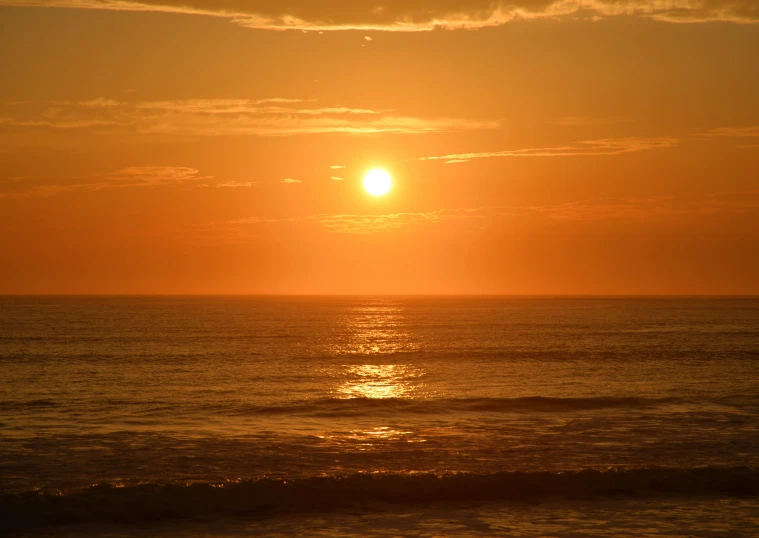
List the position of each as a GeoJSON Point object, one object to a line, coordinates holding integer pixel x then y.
{"type": "Point", "coordinates": [379, 416]}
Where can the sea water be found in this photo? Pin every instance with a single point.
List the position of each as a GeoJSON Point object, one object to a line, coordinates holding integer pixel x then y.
{"type": "Point", "coordinates": [418, 416]}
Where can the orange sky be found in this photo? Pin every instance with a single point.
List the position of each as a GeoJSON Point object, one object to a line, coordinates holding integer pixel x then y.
{"type": "Point", "coordinates": [536, 146]}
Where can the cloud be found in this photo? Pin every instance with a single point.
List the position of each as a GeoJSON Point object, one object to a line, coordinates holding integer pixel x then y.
{"type": "Point", "coordinates": [732, 132]}
{"type": "Point", "coordinates": [363, 224]}
{"type": "Point", "coordinates": [586, 121]}
{"type": "Point", "coordinates": [235, 184]}
{"type": "Point", "coordinates": [422, 15]}
{"type": "Point", "coordinates": [133, 176]}
{"type": "Point", "coordinates": [595, 209]}
{"type": "Point", "coordinates": [336, 178]}
{"type": "Point", "coordinates": [290, 180]}
{"type": "Point", "coordinates": [648, 208]}
{"type": "Point", "coordinates": [222, 117]}
{"type": "Point", "coordinates": [607, 146]}
{"type": "Point", "coordinates": [337, 167]}
{"type": "Point", "coordinates": [749, 132]}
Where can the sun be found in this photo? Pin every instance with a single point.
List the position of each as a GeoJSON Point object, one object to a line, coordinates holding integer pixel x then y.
{"type": "Point", "coordinates": [377, 182]}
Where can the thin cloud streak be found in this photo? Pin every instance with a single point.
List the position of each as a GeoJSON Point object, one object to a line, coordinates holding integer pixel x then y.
{"type": "Point", "coordinates": [133, 176]}
{"type": "Point", "coordinates": [584, 210]}
{"type": "Point", "coordinates": [223, 117]}
{"type": "Point", "coordinates": [348, 223]}
{"type": "Point", "coordinates": [608, 146]}
{"type": "Point", "coordinates": [648, 208]}
{"type": "Point", "coordinates": [587, 121]}
{"type": "Point", "coordinates": [404, 16]}
{"type": "Point", "coordinates": [732, 132]}
{"type": "Point", "coordinates": [235, 184]}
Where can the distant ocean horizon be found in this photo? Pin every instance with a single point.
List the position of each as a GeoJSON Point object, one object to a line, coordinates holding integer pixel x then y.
{"type": "Point", "coordinates": [379, 415]}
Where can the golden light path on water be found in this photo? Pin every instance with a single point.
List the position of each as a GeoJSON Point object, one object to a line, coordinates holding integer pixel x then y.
{"type": "Point", "coordinates": [379, 333]}
{"type": "Point", "coordinates": [380, 381]}
{"type": "Point", "coordinates": [375, 330]}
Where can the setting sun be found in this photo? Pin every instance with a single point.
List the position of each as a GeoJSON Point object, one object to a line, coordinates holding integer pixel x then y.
{"type": "Point", "coordinates": [377, 182]}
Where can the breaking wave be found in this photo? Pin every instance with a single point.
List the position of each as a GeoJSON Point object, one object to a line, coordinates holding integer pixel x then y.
{"type": "Point", "coordinates": [151, 501]}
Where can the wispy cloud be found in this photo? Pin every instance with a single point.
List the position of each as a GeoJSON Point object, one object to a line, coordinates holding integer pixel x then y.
{"type": "Point", "coordinates": [290, 181]}
{"type": "Point", "coordinates": [134, 176]}
{"type": "Point", "coordinates": [647, 208]}
{"type": "Point", "coordinates": [423, 15]}
{"type": "Point", "coordinates": [732, 132]}
{"type": "Point", "coordinates": [336, 178]}
{"type": "Point", "coordinates": [595, 209]}
{"type": "Point", "coordinates": [363, 224]}
{"type": "Point", "coordinates": [235, 184]}
{"type": "Point", "coordinates": [607, 146]}
{"type": "Point", "coordinates": [222, 117]}
{"type": "Point", "coordinates": [347, 223]}
{"type": "Point", "coordinates": [337, 167]}
{"type": "Point", "coordinates": [586, 121]}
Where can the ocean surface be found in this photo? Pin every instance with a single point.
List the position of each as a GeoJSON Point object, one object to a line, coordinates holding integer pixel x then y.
{"type": "Point", "coordinates": [379, 416]}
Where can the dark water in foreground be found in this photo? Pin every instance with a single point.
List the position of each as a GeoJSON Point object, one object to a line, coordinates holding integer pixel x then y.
{"type": "Point", "coordinates": [379, 416]}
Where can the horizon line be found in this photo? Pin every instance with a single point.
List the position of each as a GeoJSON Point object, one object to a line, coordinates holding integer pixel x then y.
{"type": "Point", "coordinates": [451, 295]}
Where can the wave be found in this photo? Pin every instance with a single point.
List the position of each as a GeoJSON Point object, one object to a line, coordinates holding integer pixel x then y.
{"type": "Point", "coordinates": [351, 407]}
{"type": "Point", "coordinates": [41, 402]}
{"type": "Point", "coordinates": [336, 407]}
{"type": "Point", "coordinates": [144, 502]}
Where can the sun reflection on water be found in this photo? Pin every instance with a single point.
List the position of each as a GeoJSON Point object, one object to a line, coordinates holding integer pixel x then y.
{"type": "Point", "coordinates": [380, 381]}
{"type": "Point", "coordinates": [374, 328]}
{"type": "Point", "coordinates": [370, 439]}
{"type": "Point", "coordinates": [368, 334]}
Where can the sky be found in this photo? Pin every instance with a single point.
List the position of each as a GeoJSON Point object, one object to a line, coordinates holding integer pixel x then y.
{"type": "Point", "coordinates": [536, 146]}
